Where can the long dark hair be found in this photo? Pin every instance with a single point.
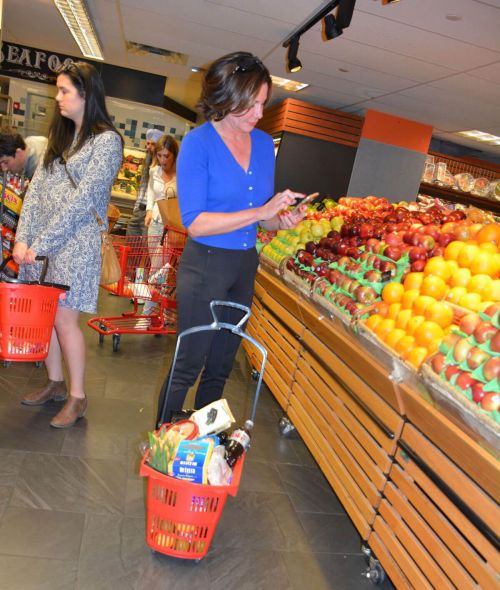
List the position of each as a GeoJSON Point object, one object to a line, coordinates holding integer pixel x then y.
{"type": "Point", "coordinates": [231, 84]}
{"type": "Point", "coordinates": [96, 119]}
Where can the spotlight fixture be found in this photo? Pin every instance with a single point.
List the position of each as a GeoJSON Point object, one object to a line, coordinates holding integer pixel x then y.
{"type": "Point", "coordinates": [294, 64]}
{"type": "Point", "coordinates": [331, 28]}
{"type": "Point", "coordinates": [77, 18]}
{"type": "Point", "coordinates": [389, 1]}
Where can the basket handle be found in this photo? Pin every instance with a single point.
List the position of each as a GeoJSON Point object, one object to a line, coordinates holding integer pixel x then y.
{"type": "Point", "coordinates": [43, 259]}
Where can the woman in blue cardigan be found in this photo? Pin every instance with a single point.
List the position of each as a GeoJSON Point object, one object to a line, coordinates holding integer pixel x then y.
{"type": "Point", "coordinates": [225, 183]}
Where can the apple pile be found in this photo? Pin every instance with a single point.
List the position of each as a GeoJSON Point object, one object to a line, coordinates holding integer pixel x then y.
{"type": "Point", "coordinates": [469, 359]}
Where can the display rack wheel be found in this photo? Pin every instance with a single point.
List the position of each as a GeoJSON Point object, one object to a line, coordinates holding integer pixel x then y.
{"type": "Point", "coordinates": [285, 427]}
{"type": "Point", "coordinates": [374, 572]}
{"type": "Point", "coordinates": [116, 342]}
{"type": "Point", "coordinates": [254, 374]}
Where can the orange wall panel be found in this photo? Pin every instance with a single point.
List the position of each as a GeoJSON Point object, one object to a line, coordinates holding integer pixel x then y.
{"type": "Point", "coordinates": [396, 131]}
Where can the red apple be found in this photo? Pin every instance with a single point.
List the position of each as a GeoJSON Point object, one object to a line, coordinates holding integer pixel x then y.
{"type": "Point", "coordinates": [392, 252]}
{"type": "Point", "coordinates": [461, 350]}
{"type": "Point", "coordinates": [365, 294]}
{"type": "Point", "coordinates": [388, 266]}
{"type": "Point", "coordinates": [492, 310]}
{"type": "Point", "coordinates": [438, 362]}
{"type": "Point", "coordinates": [417, 266]}
{"type": "Point", "coordinates": [426, 242]}
{"type": "Point", "coordinates": [484, 331]}
{"type": "Point", "coordinates": [469, 322]}
{"type": "Point", "coordinates": [373, 276]}
{"type": "Point", "coordinates": [491, 369]}
{"type": "Point", "coordinates": [491, 402]}
{"type": "Point", "coordinates": [448, 342]}
{"type": "Point", "coordinates": [393, 239]}
{"type": "Point", "coordinates": [477, 391]}
{"type": "Point", "coordinates": [444, 239]}
{"type": "Point", "coordinates": [417, 253]}
{"type": "Point", "coordinates": [464, 380]}
{"type": "Point", "coordinates": [495, 342]}
{"type": "Point", "coordinates": [476, 357]}
{"type": "Point", "coordinates": [371, 244]}
{"type": "Point", "coordinates": [436, 251]}
{"type": "Point", "coordinates": [450, 371]}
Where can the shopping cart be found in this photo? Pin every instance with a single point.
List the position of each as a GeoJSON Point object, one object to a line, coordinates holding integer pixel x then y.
{"type": "Point", "coordinates": [182, 516]}
{"type": "Point", "coordinates": [148, 273]}
{"type": "Point", "coordinates": [27, 313]}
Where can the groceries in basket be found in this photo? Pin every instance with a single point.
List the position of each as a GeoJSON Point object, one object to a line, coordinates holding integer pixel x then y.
{"type": "Point", "coordinates": [163, 443]}
{"type": "Point", "coordinates": [199, 450]}
{"type": "Point", "coordinates": [213, 418]}
{"type": "Point", "coordinates": [191, 460]}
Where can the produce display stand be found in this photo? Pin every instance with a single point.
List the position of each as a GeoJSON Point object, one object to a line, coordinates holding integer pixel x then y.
{"type": "Point", "coordinates": [421, 492]}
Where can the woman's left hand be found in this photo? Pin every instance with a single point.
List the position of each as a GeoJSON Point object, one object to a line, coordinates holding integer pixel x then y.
{"type": "Point", "coordinates": [289, 219]}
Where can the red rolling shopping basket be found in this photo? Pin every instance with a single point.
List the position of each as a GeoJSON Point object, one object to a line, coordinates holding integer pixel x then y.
{"type": "Point", "coordinates": [182, 516]}
{"type": "Point", "coordinates": [27, 314]}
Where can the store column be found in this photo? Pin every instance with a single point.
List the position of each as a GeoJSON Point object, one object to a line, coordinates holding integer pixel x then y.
{"type": "Point", "coordinates": [390, 157]}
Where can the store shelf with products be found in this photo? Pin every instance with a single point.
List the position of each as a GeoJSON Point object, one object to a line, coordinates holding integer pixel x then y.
{"type": "Point", "coordinates": [457, 196]}
{"type": "Point", "coordinates": [421, 493]}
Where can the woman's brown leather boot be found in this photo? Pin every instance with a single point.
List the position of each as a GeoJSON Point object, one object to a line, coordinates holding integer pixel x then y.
{"type": "Point", "coordinates": [53, 390]}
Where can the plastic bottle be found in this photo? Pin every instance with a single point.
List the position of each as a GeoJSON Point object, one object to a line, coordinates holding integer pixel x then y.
{"type": "Point", "coordinates": [238, 443]}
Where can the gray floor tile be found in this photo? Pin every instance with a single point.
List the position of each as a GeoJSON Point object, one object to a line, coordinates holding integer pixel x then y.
{"type": "Point", "coordinates": [71, 483]}
{"type": "Point", "coordinates": [21, 573]}
{"type": "Point", "coordinates": [41, 533]}
{"type": "Point", "coordinates": [259, 521]}
{"type": "Point", "coordinates": [330, 533]}
{"type": "Point", "coordinates": [27, 429]}
{"type": "Point", "coordinates": [259, 570]}
{"type": "Point", "coordinates": [100, 445]}
{"type": "Point", "coordinates": [325, 571]}
{"type": "Point", "coordinates": [260, 477]}
{"type": "Point", "coordinates": [309, 490]}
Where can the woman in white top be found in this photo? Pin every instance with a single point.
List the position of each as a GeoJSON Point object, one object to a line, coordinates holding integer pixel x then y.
{"type": "Point", "coordinates": [162, 204]}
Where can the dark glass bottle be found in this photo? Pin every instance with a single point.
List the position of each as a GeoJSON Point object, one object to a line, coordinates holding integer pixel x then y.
{"type": "Point", "coordinates": [238, 443]}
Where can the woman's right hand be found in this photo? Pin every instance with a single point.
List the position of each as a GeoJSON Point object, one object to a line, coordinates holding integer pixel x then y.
{"type": "Point", "coordinates": [149, 218]}
{"type": "Point", "coordinates": [19, 252]}
{"type": "Point", "coordinates": [278, 203]}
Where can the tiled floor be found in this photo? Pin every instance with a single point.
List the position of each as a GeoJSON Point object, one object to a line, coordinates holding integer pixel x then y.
{"type": "Point", "coordinates": [72, 508]}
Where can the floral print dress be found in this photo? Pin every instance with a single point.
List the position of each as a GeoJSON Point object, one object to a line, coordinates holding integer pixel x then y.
{"type": "Point", "coordinates": [57, 220]}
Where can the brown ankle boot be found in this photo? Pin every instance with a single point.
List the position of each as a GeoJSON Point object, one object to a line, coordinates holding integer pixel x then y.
{"type": "Point", "coordinates": [53, 390]}
{"type": "Point", "coordinates": [73, 410]}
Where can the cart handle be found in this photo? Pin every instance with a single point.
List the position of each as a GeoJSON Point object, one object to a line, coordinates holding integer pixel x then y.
{"type": "Point", "coordinates": [217, 325]}
{"type": "Point", "coordinates": [43, 259]}
{"type": "Point", "coordinates": [217, 303]}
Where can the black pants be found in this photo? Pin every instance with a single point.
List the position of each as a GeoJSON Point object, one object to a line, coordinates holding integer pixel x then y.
{"type": "Point", "coordinates": [207, 273]}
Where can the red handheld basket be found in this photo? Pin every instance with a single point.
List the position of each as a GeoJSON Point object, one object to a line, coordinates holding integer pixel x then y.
{"type": "Point", "coordinates": [182, 516]}
{"type": "Point", "coordinates": [27, 313]}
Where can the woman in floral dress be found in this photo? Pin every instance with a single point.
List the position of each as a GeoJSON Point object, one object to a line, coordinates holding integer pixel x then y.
{"type": "Point", "coordinates": [58, 220]}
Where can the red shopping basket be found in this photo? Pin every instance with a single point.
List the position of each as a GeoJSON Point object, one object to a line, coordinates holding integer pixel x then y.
{"type": "Point", "coordinates": [182, 516]}
{"type": "Point", "coordinates": [27, 313]}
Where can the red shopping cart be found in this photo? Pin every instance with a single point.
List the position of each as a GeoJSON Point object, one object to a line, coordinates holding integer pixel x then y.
{"type": "Point", "coordinates": [148, 273]}
{"type": "Point", "coordinates": [182, 516]}
{"type": "Point", "coordinates": [27, 313]}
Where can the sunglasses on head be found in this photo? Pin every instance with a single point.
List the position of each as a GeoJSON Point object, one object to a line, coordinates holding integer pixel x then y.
{"type": "Point", "coordinates": [248, 63]}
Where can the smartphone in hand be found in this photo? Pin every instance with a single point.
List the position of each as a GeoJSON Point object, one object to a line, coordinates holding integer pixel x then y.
{"type": "Point", "coordinates": [305, 201]}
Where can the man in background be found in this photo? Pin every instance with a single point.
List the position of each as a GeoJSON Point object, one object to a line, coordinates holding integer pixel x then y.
{"type": "Point", "coordinates": [135, 226]}
{"type": "Point", "coordinates": [18, 155]}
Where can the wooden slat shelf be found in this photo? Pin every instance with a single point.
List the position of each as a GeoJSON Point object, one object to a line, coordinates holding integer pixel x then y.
{"type": "Point", "coordinates": [432, 522]}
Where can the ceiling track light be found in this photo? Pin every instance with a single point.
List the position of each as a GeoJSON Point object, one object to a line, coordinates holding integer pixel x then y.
{"type": "Point", "coordinates": [77, 18]}
{"type": "Point", "coordinates": [330, 27]}
{"type": "Point", "coordinates": [293, 62]}
{"type": "Point", "coordinates": [389, 1]}
{"type": "Point", "coordinates": [333, 25]}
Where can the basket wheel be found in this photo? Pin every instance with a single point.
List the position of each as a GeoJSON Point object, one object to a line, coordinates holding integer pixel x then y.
{"type": "Point", "coordinates": [116, 342]}
{"type": "Point", "coordinates": [38, 364]}
{"type": "Point", "coordinates": [101, 336]}
{"type": "Point", "coordinates": [6, 364]}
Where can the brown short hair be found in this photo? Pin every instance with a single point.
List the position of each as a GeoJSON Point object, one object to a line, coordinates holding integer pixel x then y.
{"type": "Point", "coordinates": [231, 84]}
